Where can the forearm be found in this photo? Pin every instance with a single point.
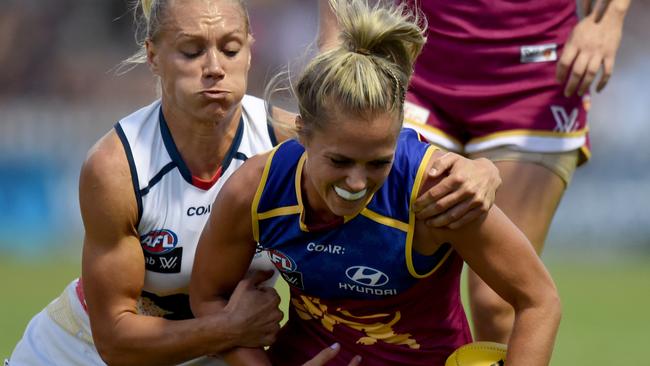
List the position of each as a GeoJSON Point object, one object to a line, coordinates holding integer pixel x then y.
{"type": "Point", "coordinates": [146, 340]}
{"type": "Point", "coordinates": [327, 26]}
{"type": "Point", "coordinates": [533, 335]}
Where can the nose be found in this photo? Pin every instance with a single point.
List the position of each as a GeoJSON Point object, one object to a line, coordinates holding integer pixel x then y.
{"type": "Point", "coordinates": [356, 180]}
{"type": "Point", "coordinates": [212, 67]}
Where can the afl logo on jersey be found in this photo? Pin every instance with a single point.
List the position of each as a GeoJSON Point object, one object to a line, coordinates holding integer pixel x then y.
{"type": "Point", "coordinates": [282, 261]}
{"type": "Point", "coordinates": [366, 276]}
{"type": "Point", "coordinates": [159, 241]}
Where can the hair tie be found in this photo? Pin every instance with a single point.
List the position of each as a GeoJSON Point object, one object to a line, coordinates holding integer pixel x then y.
{"type": "Point", "coordinates": [362, 51]}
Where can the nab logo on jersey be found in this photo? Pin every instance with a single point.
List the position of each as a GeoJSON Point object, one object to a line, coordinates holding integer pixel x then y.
{"type": "Point", "coordinates": [160, 252]}
{"type": "Point", "coordinates": [367, 276]}
{"type": "Point", "coordinates": [159, 241]}
{"type": "Point", "coordinates": [282, 261]}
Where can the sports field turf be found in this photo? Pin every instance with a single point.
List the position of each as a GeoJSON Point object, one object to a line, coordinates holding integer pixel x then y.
{"type": "Point", "coordinates": [605, 318]}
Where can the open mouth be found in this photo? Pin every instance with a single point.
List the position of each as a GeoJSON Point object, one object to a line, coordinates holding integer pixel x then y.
{"type": "Point", "coordinates": [349, 196]}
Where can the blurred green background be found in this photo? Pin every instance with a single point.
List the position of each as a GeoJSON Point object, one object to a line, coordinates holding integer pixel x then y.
{"type": "Point", "coordinates": [605, 304]}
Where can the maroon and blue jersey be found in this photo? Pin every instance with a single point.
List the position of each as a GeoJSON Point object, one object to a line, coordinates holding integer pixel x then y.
{"type": "Point", "coordinates": [360, 283]}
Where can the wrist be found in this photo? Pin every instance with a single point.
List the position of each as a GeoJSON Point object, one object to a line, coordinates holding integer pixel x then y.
{"type": "Point", "coordinates": [224, 333]}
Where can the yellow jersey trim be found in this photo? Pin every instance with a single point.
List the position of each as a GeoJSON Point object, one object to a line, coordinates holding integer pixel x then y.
{"type": "Point", "coordinates": [258, 195]}
{"type": "Point", "coordinates": [409, 235]}
{"type": "Point", "coordinates": [523, 132]}
{"type": "Point", "coordinates": [280, 211]}
{"type": "Point", "coordinates": [384, 220]}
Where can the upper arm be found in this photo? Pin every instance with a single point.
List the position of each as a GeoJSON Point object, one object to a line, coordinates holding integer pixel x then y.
{"type": "Point", "coordinates": [226, 246]}
{"type": "Point", "coordinates": [493, 247]}
{"type": "Point", "coordinates": [503, 257]}
{"type": "Point", "coordinates": [328, 28]}
{"type": "Point", "coordinates": [112, 260]}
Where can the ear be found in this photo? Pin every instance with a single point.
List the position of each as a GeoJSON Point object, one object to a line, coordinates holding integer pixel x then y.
{"type": "Point", "coordinates": [152, 56]}
{"type": "Point", "coordinates": [251, 40]}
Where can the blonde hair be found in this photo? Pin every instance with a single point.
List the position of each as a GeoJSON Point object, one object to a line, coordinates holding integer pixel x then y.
{"type": "Point", "coordinates": [369, 71]}
{"type": "Point", "coordinates": [149, 15]}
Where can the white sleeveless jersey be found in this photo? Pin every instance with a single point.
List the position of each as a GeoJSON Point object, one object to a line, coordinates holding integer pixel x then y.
{"type": "Point", "coordinates": [173, 206]}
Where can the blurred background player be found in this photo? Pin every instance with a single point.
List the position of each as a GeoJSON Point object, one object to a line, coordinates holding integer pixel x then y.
{"type": "Point", "coordinates": [509, 81]}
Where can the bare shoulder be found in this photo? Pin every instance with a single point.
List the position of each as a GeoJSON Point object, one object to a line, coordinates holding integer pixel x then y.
{"type": "Point", "coordinates": [240, 189]}
{"type": "Point", "coordinates": [283, 123]}
{"type": "Point", "coordinates": [106, 193]}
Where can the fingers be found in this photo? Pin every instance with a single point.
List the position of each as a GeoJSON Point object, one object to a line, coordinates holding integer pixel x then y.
{"type": "Point", "coordinates": [608, 68]}
{"type": "Point", "coordinates": [585, 7]}
{"type": "Point", "coordinates": [442, 164]}
{"type": "Point", "coordinates": [566, 60]}
{"type": "Point", "coordinates": [590, 74]}
{"type": "Point", "coordinates": [355, 361]}
{"type": "Point", "coordinates": [325, 355]}
{"type": "Point", "coordinates": [328, 354]}
{"type": "Point", "coordinates": [599, 8]}
{"type": "Point", "coordinates": [443, 204]}
{"type": "Point", "coordinates": [428, 204]}
{"type": "Point", "coordinates": [577, 71]}
{"type": "Point", "coordinates": [457, 212]}
{"type": "Point", "coordinates": [472, 215]}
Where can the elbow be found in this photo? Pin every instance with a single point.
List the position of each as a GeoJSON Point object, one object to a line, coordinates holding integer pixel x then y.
{"type": "Point", "coordinates": [113, 351]}
{"type": "Point", "coordinates": [110, 352]}
{"type": "Point", "coordinates": [554, 306]}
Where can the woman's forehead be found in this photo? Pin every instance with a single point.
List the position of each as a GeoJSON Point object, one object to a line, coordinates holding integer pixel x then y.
{"type": "Point", "coordinates": [199, 15]}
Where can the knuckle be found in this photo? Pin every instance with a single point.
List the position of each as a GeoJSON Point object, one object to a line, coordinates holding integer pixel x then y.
{"type": "Point", "coordinates": [456, 180]}
{"type": "Point", "coordinates": [576, 73]}
{"type": "Point", "coordinates": [438, 206]}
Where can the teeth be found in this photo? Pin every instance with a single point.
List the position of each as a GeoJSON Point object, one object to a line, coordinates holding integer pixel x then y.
{"type": "Point", "coordinates": [349, 196]}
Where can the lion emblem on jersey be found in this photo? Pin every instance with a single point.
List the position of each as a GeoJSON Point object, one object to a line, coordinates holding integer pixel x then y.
{"type": "Point", "coordinates": [375, 327]}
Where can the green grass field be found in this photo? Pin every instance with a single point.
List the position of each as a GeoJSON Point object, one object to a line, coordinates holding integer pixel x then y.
{"type": "Point", "coordinates": [605, 319]}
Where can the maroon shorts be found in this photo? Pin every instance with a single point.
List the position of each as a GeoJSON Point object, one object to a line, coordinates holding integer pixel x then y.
{"type": "Point", "coordinates": [478, 85]}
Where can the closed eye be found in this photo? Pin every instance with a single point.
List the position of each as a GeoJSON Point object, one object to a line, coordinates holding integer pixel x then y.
{"type": "Point", "coordinates": [340, 162]}
{"type": "Point", "coordinates": [192, 55]}
{"type": "Point", "coordinates": [380, 163]}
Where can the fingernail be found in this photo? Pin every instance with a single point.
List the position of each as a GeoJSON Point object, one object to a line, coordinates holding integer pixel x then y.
{"type": "Point", "coordinates": [433, 171]}
{"type": "Point", "coordinates": [335, 346]}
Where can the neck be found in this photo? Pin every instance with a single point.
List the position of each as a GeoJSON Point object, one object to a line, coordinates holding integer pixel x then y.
{"type": "Point", "coordinates": [202, 144]}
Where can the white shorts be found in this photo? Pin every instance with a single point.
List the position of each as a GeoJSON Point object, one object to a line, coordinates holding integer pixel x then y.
{"type": "Point", "coordinates": [46, 343]}
{"type": "Point", "coordinates": [60, 335]}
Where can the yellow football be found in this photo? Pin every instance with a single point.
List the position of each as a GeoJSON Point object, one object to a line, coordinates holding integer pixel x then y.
{"type": "Point", "coordinates": [478, 354]}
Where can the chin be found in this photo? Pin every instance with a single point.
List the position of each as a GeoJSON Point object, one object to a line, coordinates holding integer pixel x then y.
{"type": "Point", "coordinates": [349, 209]}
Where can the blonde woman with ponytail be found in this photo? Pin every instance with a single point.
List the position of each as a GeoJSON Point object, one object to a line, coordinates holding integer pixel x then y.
{"type": "Point", "coordinates": [509, 81]}
{"type": "Point", "coordinates": [147, 189]}
{"type": "Point", "coordinates": [333, 210]}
